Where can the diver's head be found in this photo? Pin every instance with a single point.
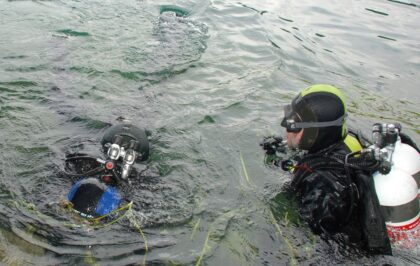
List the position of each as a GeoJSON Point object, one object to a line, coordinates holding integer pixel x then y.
{"type": "Point", "coordinates": [92, 198]}
{"type": "Point", "coordinates": [316, 118]}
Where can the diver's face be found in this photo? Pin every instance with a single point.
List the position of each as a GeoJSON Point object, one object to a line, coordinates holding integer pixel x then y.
{"type": "Point", "coordinates": [293, 139]}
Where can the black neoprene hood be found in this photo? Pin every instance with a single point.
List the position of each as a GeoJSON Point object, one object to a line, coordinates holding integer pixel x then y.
{"type": "Point", "coordinates": [320, 103]}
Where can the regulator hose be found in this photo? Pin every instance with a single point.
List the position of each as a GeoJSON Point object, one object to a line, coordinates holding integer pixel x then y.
{"type": "Point", "coordinates": [91, 172]}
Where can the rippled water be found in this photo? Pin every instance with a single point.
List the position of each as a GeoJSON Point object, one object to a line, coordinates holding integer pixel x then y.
{"type": "Point", "coordinates": [208, 87]}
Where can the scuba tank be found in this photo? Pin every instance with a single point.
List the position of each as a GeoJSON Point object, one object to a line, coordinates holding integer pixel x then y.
{"type": "Point", "coordinates": [407, 159]}
{"type": "Point", "coordinates": [385, 189]}
{"type": "Point", "coordinates": [395, 185]}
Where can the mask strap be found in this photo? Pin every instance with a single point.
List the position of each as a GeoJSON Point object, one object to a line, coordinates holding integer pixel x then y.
{"type": "Point", "coordinates": [337, 122]}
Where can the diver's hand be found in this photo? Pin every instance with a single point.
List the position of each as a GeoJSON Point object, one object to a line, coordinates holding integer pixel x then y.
{"type": "Point", "coordinates": [273, 144]}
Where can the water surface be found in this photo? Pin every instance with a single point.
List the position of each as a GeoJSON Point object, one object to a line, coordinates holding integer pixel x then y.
{"type": "Point", "coordinates": [208, 85]}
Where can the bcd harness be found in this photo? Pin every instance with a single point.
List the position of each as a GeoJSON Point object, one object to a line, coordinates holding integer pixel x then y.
{"type": "Point", "coordinates": [355, 170]}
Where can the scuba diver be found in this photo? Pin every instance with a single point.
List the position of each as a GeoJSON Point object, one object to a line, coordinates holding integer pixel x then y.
{"type": "Point", "coordinates": [343, 183]}
{"type": "Point", "coordinates": [96, 191]}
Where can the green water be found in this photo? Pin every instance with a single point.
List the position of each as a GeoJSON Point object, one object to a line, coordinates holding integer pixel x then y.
{"type": "Point", "coordinates": [208, 84]}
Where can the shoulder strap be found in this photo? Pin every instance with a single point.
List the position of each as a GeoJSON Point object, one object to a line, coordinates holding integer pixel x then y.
{"type": "Point", "coordinates": [352, 143]}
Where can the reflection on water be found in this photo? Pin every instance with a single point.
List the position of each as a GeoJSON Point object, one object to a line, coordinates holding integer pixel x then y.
{"type": "Point", "coordinates": [207, 79]}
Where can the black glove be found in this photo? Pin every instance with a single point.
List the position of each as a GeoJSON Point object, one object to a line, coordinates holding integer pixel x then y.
{"type": "Point", "coordinates": [273, 144]}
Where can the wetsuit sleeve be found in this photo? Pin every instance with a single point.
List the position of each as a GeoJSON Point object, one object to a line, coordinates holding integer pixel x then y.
{"type": "Point", "coordinates": [323, 201]}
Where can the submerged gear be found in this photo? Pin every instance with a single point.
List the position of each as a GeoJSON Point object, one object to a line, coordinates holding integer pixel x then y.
{"type": "Point", "coordinates": [128, 155]}
{"type": "Point", "coordinates": [273, 144]}
{"type": "Point", "coordinates": [127, 132]}
{"type": "Point", "coordinates": [123, 144]}
{"type": "Point", "coordinates": [274, 147]}
{"type": "Point", "coordinates": [320, 110]}
{"type": "Point", "coordinates": [92, 198]}
{"type": "Point", "coordinates": [96, 195]}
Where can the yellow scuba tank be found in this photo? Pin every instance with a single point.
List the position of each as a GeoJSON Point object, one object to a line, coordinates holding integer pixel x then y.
{"type": "Point", "coordinates": [396, 187]}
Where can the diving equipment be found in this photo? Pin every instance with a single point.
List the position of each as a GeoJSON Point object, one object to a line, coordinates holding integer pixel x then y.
{"type": "Point", "coordinates": [127, 132]}
{"type": "Point", "coordinates": [395, 185]}
{"type": "Point", "coordinates": [273, 145]}
{"type": "Point", "coordinates": [380, 178]}
{"type": "Point", "coordinates": [406, 158]}
{"type": "Point", "coordinates": [95, 193]}
{"type": "Point", "coordinates": [292, 124]}
{"type": "Point", "coordinates": [92, 198]}
{"type": "Point", "coordinates": [129, 155]}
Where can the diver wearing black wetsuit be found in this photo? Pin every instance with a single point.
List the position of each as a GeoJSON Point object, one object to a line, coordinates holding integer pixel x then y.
{"type": "Point", "coordinates": [332, 198]}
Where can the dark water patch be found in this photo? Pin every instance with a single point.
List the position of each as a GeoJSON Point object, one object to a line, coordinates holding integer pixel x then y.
{"type": "Point", "coordinates": [27, 69]}
{"type": "Point", "coordinates": [254, 9]}
{"type": "Point", "coordinates": [308, 49]}
{"type": "Point", "coordinates": [129, 75]}
{"type": "Point", "coordinates": [31, 97]}
{"type": "Point", "coordinates": [85, 70]}
{"type": "Point", "coordinates": [70, 32]}
{"type": "Point", "coordinates": [3, 89]}
{"type": "Point", "coordinates": [163, 168]}
{"type": "Point", "coordinates": [179, 11]}
{"type": "Point", "coordinates": [274, 44]}
{"type": "Point", "coordinates": [15, 57]}
{"type": "Point", "coordinates": [208, 119]}
{"type": "Point", "coordinates": [234, 105]}
{"type": "Point", "coordinates": [25, 94]}
{"type": "Point", "coordinates": [150, 78]}
{"type": "Point", "coordinates": [402, 3]}
{"type": "Point", "coordinates": [320, 35]}
{"type": "Point", "coordinates": [4, 192]}
{"type": "Point", "coordinates": [32, 150]}
{"type": "Point", "coordinates": [89, 122]}
{"type": "Point", "coordinates": [285, 19]}
{"type": "Point", "coordinates": [285, 30]}
{"type": "Point", "coordinates": [387, 38]}
{"type": "Point", "coordinates": [297, 38]}
{"type": "Point", "coordinates": [376, 12]}
{"type": "Point", "coordinates": [90, 95]}
{"type": "Point", "coordinates": [19, 83]}
{"type": "Point", "coordinates": [12, 108]}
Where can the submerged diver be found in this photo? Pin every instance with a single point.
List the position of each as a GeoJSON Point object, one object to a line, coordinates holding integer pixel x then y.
{"type": "Point", "coordinates": [96, 192]}
{"type": "Point", "coordinates": [332, 174]}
